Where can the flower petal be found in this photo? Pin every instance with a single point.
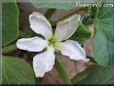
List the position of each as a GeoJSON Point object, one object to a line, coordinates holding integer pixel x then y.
{"type": "Point", "coordinates": [43, 62]}
{"type": "Point", "coordinates": [66, 28]}
{"type": "Point", "coordinates": [34, 44]}
{"type": "Point", "coordinates": [73, 49]}
{"type": "Point", "coordinates": [40, 24]}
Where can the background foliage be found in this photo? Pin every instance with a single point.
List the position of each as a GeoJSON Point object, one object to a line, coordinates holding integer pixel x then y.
{"type": "Point", "coordinates": [18, 71]}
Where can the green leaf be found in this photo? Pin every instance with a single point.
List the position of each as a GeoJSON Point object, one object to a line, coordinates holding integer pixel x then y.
{"type": "Point", "coordinates": [16, 71]}
{"type": "Point", "coordinates": [95, 75]}
{"type": "Point", "coordinates": [10, 22]}
{"type": "Point", "coordinates": [103, 42]}
{"type": "Point", "coordinates": [81, 34]}
{"type": "Point", "coordinates": [57, 4]}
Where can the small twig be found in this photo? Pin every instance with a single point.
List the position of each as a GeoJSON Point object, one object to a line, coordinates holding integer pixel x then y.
{"type": "Point", "coordinates": [72, 13]}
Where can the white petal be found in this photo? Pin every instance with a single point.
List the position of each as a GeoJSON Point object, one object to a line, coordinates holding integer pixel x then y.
{"type": "Point", "coordinates": [66, 28]}
{"type": "Point", "coordinates": [73, 50]}
{"type": "Point", "coordinates": [43, 62]}
{"type": "Point", "coordinates": [40, 24]}
{"type": "Point", "coordinates": [34, 44]}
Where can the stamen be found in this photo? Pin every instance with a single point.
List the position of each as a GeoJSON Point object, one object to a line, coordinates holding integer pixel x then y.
{"type": "Point", "coordinates": [52, 41]}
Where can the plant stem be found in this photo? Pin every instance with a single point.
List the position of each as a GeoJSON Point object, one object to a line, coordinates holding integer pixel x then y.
{"type": "Point", "coordinates": [49, 13]}
{"type": "Point", "coordinates": [62, 73]}
{"type": "Point", "coordinates": [9, 48]}
{"type": "Point", "coordinates": [72, 13]}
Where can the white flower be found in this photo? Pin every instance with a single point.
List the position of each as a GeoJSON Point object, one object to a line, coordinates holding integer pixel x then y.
{"type": "Point", "coordinates": [44, 62]}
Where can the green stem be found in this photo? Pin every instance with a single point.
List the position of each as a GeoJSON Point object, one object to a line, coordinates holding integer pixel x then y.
{"type": "Point", "coordinates": [49, 13]}
{"type": "Point", "coordinates": [62, 73]}
{"type": "Point", "coordinates": [72, 13]}
{"type": "Point", "coordinates": [9, 48]}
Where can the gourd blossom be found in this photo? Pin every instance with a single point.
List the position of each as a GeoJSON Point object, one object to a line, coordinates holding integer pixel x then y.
{"type": "Point", "coordinates": [51, 43]}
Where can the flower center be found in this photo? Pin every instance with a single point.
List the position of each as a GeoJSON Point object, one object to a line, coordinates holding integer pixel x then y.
{"type": "Point", "coordinates": [52, 42]}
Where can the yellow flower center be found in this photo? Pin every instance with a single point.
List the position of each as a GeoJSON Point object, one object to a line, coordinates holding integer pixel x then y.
{"type": "Point", "coordinates": [53, 42]}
